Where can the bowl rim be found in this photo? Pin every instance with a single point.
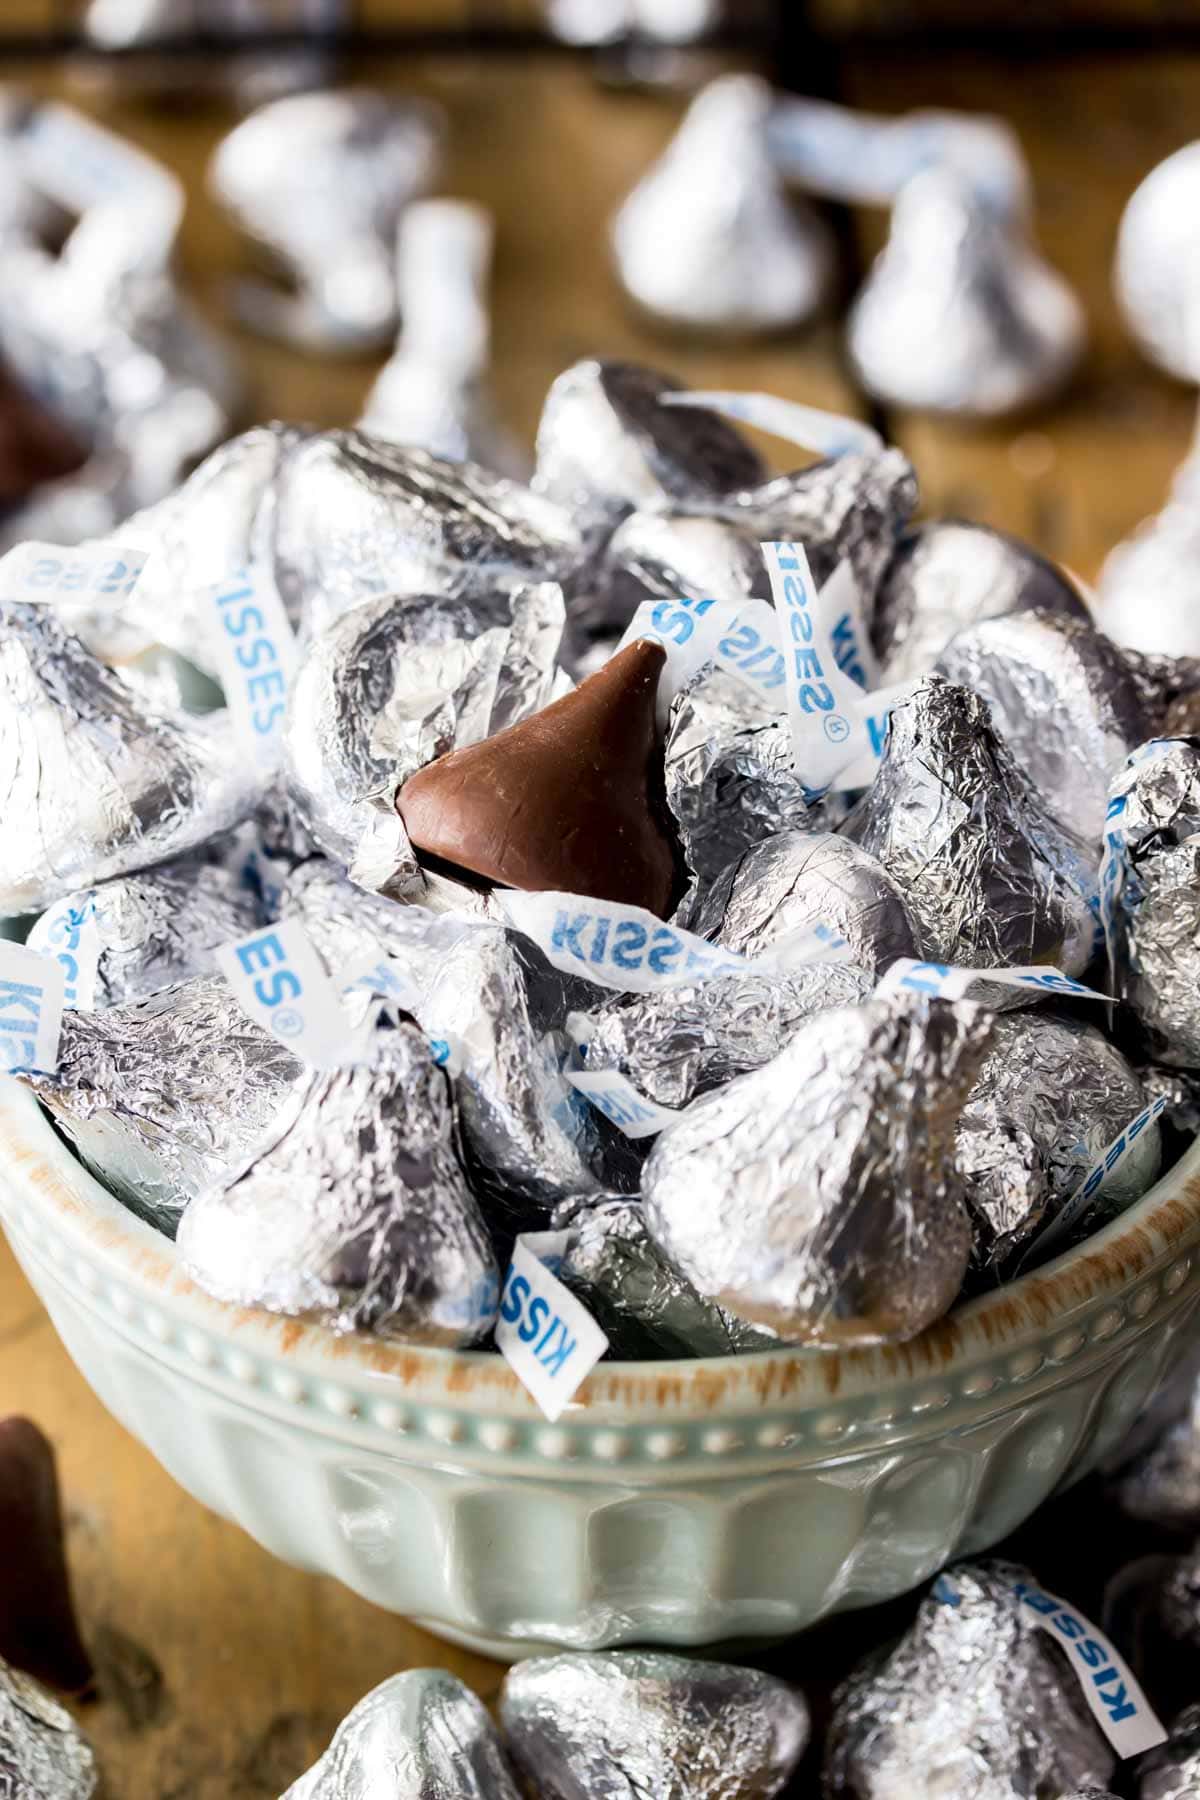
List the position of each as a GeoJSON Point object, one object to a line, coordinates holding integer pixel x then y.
{"type": "Point", "coordinates": [47, 1194]}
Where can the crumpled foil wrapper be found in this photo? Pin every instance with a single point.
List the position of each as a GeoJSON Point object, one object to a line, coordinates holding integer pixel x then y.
{"type": "Point", "coordinates": [43, 1753]}
{"type": "Point", "coordinates": [422, 1735]}
{"type": "Point", "coordinates": [357, 517]}
{"type": "Point", "coordinates": [1172, 1772]}
{"type": "Point", "coordinates": [678, 1044]}
{"type": "Point", "coordinates": [797, 880]}
{"type": "Point", "coordinates": [320, 181]}
{"type": "Point", "coordinates": [144, 26]}
{"type": "Point", "coordinates": [974, 1700]}
{"type": "Point", "coordinates": [404, 679]}
{"type": "Point", "coordinates": [150, 930]}
{"type": "Point", "coordinates": [947, 576]}
{"type": "Point", "coordinates": [606, 447]}
{"type": "Point", "coordinates": [632, 1722]}
{"type": "Point", "coordinates": [710, 239]}
{"type": "Point", "coordinates": [1156, 917]}
{"type": "Point", "coordinates": [989, 878]}
{"type": "Point", "coordinates": [959, 313]}
{"type": "Point", "coordinates": [95, 784]}
{"type": "Point", "coordinates": [162, 1097]}
{"type": "Point", "coordinates": [1157, 247]}
{"type": "Point", "coordinates": [1052, 1094]}
{"type": "Point", "coordinates": [354, 1209]}
{"type": "Point", "coordinates": [817, 1196]}
{"type": "Point", "coordinates": [644, 1306]}
{"type": "Point", "coordinates": [1152, 1610]}
{"type": "Point", "coordinates": [1062, 698]}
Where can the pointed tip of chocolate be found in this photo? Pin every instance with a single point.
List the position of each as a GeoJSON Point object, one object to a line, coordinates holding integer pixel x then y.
{"type": "Point", "coordinates": [38, 1628]}
{"type": "Point", "coordinates": [567, 800]}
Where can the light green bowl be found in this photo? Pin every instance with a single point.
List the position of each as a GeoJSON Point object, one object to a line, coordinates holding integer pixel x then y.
{"type": "Point", "coordinates": [674, 1503]}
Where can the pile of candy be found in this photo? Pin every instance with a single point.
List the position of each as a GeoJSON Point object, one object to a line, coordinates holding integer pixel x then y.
{"type": "Point", "coordinates": [545, 897]}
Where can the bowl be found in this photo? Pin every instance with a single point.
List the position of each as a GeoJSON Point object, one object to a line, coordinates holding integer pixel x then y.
{"type": "Point", "coordinates": [683, 1503]}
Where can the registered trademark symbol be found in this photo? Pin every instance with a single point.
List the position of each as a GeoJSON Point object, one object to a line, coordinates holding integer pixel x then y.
{"type": "Point", "coordinates": [288, 1022]}
{"type": "Point", "coordinates": [837, 728]}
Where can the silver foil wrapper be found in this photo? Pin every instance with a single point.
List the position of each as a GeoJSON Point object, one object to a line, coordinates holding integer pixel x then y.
{"type": "Point", "coordinates": [401, 680]}
{"type": "Point", "coordinates": [797, 880]}
{"type": "Point", "coordinates": [139, 28]}
{"type": "Point", "coordinates": [606, 447]}
{"type": "Point", "coordinates": [1172, 1772]}
{"type": "Point", "coordinates": [682, 1042]}
{"type": "Point", "coordinates": [644, 1306]}
{"type": "Point", "coordinates": [635, 1722]}
{"type": "Point", "coordinates": [959, 313]}
{"type": "Point", "coordinates": [661, 555]}
{"type": "Point", "coordinates": [422, 1735]}
{"type": "Point", "coordinates": [1156, 915]}
{"type": "Point", "coordinates": [163, 1097]}
{"type": "Point", "coordinates": [710, 240]}
{"type": "Point", "coordinates": [1154, 273]}
{"type": "Point", "coordinates": [95, 783]}
{"type": "Point", "coordinates": [354, 1209]}
{"type": "Point", "coordinates": [1148, 594]}
{"type": "Point", "coordinates": [148, 931]}
{"type": "Point", "coordinates": [43, 1753]}
{"type": "Point", "coordinates": [1052, 1094]}
{"type": "Point", "coordinates": [1061, 697]}
{"type": "Point", "coordinates": [319, 181]}
{"type": "Point", "coordinates": [974, 1700]}
{"type": "Point", "coordinates": [947, 576]}
{"type": "Point", "coordinates": [357, 517]}
{"type": "Point", "coordinates": [989, 878]}
{"type": "Point", "coordinates": [817, 1196]}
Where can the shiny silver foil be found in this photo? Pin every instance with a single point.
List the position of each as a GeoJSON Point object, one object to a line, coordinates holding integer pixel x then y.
{"type": "Point", "coordinates": [43, 1753]}
{"type": "Point", "coordinates": [1050, 1097]}
{"type": "Point", "coordinates": [92, 783]}
{"type": "Point", "coordinates": [817, 1196]}
{"type": "Point", "coordinates": [644, 1306]}
{"type": "Point", "coordinates": [162, 1097]}
{"type": "Point", "coordinates": [662, 555]}
{"type": "Point", "coordinates": [634, 1722]}
{"type": "Point", "coordinates": [1148, 594]}
{"type": "Point", "coordinates": [947, 576]}
{"type": "Point", "coordinates": [320, 182]}
{"type": "Point", "coordinates": [1157, 910]}
{"type": "Point", "coordinates": [1172, 1772]}
{"type": "Point", "coordinates": [1061, 697]}
{"type": "Point", "coordinates": [401, 680]}
{"type": "Point", "coordinates": [796, 880]}
{"type": "Point", "coordinates": [357, 517]}
{"type": "Point", "coordinates": [150, 930]}
{"type": "Point", "coordinates": [353, 1209]}
{"type": "Point", "coordinates": [710, 240]}
{"type": "Point", "coordinates": [1154, 274]}
{"type": "Point", "coordinates": [606, 447]}
{"type": "Point", "coordinates": [683, 1041]}
{"type": "Point", "coordinates": [253, 76]}
{"type": "Point", "coordinates": [959, 313]}
{"type": "Point", "coordinates": [989, 878]}
{"type": "Point", "coordinates": [422, 1735]}
{"type": "Point", "coordinates": [663, 22]}
{"type": "Point", "coordinates": [974, 1700]}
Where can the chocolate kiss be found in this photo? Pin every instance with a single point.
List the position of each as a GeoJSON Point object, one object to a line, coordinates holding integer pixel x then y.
{"type": "Point", "coordinates": [38, 1632]}
{"type": "Point", "coordinates": [566, 800]}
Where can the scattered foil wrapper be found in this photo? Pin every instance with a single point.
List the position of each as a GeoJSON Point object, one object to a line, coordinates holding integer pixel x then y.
{"type": "Point", "coordinates": [1172, 1772]}
{"type": "Point", "coordinates": [319, 182]}
{"type": "Point", "coordinates": [817, 1196]}
{"type": "Point", "coordinates": [354, 1210]}
{"type": "Point", "coordinates": [645, 1308]}
{"type": "Point", "coordinates": [151, 930]}
{"type": "Point", "coordinates": [163, 1097]}
{"type": "Point", "coordinates": [138, 28]}
{"type": "Point", "coordinates": [1154, 275]}
{"type": "Point", "coordinates": [947, 576]}
{"type": "Point", "coordinates": [357, 517]}
{"type": "Point", "coordinates": [43, 1753]}
{"type": "Point", "coordinates": [710, 240]}
{"type": "Point", "coordinates": [960, 314]}
{"type": "Point", "coordinates": [1060, 695]}
{"type": "Point", "coordinates": [974, 1700]}
{"type": "Point", "coordinates": [645, 1722]}
{"type": "Point", "coordinates": [402, 680]}
{"type": "Point", "coordinates": [95, 783]}
{"type": "Point", "coordinates": [989, 878]}
{"type": "Point", "coordinates": [422, 1735]}
{"type": "Point", "coordinates": [795, 881]}
{"type": "Point", "coordinates": [1051, 1096]}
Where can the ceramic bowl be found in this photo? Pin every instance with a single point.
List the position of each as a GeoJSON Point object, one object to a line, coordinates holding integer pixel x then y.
{"type": "Point", "coordinates": [674, 1503]}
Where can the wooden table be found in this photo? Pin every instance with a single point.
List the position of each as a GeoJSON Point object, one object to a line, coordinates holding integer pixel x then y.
{"type": "Point", "coordinates": [258, 1662]}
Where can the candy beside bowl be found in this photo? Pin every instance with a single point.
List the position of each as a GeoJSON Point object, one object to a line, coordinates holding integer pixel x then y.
{"type": "Point", "coordinates": [675, 1502]}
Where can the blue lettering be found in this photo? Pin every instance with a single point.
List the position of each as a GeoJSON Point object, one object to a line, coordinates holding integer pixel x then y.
{"type": "Point", "coordinates": [515, 1291]}
{"type": "Point", "coordinates": [261, 650]}
{"type": "Point", "coordinates": [568, 933]}
{"type": "Point", "coordinates": [1091, 1653]}
{"type": "Point", "coordinates": [284, 984]}
{"type": "Point", "coordinates": [665, 951]}
{"type": "Point", "coordinates": [554, 1362]}
{"type": "Point", "coordinates": [249, 618]}
{"type": "Point", "coordinates": [538, 1309]}
{"type": "Point", "coordinates": [818, 698]}
{"type": "Point", "coordinates": [628, 938]}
